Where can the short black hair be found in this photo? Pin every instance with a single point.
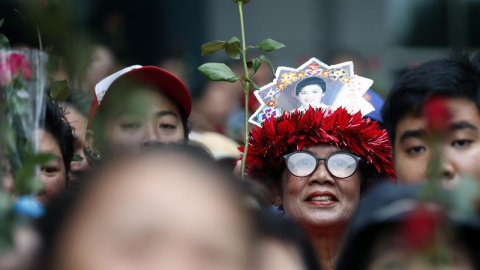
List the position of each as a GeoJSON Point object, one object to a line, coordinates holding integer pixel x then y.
{"type": "Point", "coordinates": [57, 125]}
{"type": "Point", "coordinates": [310, 81]}
{"type": "Point", "coordinates": [457, 77]}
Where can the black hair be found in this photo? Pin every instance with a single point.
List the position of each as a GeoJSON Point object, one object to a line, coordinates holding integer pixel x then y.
{"type": "Point", "coordinates": [457, 77]}
{"type": "Point", "coordinates": [57, 125]}
{"type": "Point", "coordinates": [273, 226]}
{"type": "Point", "coordinates": [255, 191]}
{"type": "Point", "coordinates": [310, 81]}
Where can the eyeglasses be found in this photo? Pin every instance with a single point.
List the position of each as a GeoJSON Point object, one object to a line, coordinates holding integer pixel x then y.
{"type": "Point", "coordinates": [340, 165]}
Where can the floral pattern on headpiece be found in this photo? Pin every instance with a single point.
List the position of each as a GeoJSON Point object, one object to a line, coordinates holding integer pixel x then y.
{"type": "Point", "coordinates": [343, 89]}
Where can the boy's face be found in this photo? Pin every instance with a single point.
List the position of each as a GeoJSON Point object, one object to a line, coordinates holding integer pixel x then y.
{"type": "Point", "coordinates": [460, 147]}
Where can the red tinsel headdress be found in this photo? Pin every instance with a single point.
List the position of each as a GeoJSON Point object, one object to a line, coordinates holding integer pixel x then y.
{"type": "Point", "coordinates": [297, 130]}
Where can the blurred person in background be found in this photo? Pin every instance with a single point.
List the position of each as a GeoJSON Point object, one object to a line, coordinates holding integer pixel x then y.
{"type": "Point", "coordinates": [456, 82]}
{"type": "Point", "coordinates": [395, 228]}
{"type": "Point", "coordinates": [282, 245]}
{"type": "Point", "coordinates": [56, 138]}
{"type": "Point", "coordinates": [150, 223]}
{"type": "Point", "coordinates": [135, 108]}
{"type": "Point", "coordinates": [103, 62]}
{"type": "Point", "coordinates": [212, 108]}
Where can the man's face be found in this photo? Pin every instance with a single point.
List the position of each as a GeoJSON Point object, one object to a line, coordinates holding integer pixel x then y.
{"type": "Point", "coordinates": [460, 148]}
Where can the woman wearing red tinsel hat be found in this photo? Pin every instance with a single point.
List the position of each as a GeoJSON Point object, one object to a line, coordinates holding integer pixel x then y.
{"type": "Point", "coordinates": [318, 162]}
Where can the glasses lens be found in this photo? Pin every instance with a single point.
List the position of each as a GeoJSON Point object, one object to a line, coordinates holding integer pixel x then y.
{"type": "Point", "coordinates": [301, 164]}
{"type": "Point", "coordinates": [342, 165]}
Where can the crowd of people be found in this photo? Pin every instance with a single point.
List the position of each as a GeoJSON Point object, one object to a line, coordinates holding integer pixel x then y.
{"type": "Point", "coordinates": [325, 189]}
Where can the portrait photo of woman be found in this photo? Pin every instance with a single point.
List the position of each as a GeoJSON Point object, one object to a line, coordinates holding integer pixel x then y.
{"type": "Point", "coordinates": [310, 92]}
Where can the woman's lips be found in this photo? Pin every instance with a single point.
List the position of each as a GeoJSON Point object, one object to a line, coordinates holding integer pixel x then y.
{"type": "Point", "coordinates": [322, 198]}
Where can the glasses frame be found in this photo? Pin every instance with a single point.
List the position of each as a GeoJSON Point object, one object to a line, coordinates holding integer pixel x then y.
{"type": "Point", "coordinates": [325, 159]}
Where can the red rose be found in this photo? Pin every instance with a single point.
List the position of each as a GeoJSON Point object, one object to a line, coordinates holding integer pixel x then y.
{"type": "Point", "coordinates": [419, 228]}
{"type": "Point", "coordinates": [437, 114]}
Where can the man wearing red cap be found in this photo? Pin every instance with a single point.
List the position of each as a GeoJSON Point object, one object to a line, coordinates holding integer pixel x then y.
{"type": "Point", "coordinates": [135, 108]}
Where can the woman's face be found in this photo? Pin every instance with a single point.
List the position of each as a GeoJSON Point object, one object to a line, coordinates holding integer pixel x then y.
{"type": "Point", "coordinates": [143, 119]}
{"type": "Point", "coordinates": [163, 212]}
{"type": "Point", "coordinates": [52, 173]}
{"type": "Point", "coordinates": [310, 95]}
{"type": "Point", "coordinates": [320, 200]}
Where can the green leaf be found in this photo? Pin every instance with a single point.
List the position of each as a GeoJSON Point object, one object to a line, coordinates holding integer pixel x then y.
{"type": "Point", "coordinates": [255, 86]}
{"type": "Point", "coordinates": [463, 197]}
{"type": "Point", "coordinates": [77, 157]}
{"type": "Point", "coordinates": [42, 158]}
{"type": "Point", "coordinates": [60, 90]}
{"type": "Point", "coordinates": [1, 22]}
{"type": "Point", "coordinates": [5, 201]}
{"type": "Point", "coordinates": [26, 180]}
{"type": "Point", "coordinates": [218, 72]}
{"type": "Point", "coordinates": [213, 46]}
{"type": "Point", "coordinates": [232, 48]}
{"type": "Point", "coordinates": [268, 62]}
{"type": "Point", "coordinates": [256, 63]}
{"type": "Point", "coordinates": [269, 45]}
{"type": "Point", "coordinates": [4, 42]}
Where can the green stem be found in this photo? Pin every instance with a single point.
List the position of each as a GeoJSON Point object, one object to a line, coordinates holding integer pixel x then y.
{"type": "Point", "coordinates": [40, 45]}
{"type": "Point", "coordinates": [246, 86]}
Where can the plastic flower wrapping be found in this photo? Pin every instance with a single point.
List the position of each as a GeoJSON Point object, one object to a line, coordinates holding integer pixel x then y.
{"type": "Point", "coordinates": [22, 100]}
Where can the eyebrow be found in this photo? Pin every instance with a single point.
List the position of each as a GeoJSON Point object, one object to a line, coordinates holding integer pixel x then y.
{"type": "Point", "coordinates": [462, 125]}
{"type": "Point", "coordinates": [166, 112]}
{"type": "Point", "coordinates": [412, 133]}
{"type": "Point", "coordinates": [158, 114]}
{"type": "Point", "coordinates": [56, 157]}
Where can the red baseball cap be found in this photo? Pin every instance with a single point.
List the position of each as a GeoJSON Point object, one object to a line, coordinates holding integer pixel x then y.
{"type": "Point", "coordinates": [160, 79]}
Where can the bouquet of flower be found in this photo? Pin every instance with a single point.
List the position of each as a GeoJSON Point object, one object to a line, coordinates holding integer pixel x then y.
{"type": "Point", "coordinates": [22, 81]}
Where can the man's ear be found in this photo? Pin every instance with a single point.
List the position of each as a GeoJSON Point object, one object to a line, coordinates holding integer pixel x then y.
{"type": "Point", "coordinates": [91, 149]}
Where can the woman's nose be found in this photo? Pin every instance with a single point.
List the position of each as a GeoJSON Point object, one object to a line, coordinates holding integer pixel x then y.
{"type": "Point", "coordinates": [150, 138]}
{"type": "Point", "coordinates": [321, 174]}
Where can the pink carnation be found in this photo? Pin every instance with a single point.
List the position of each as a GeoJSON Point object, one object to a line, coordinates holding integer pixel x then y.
{"type": "Point", "coordinates": [19, 65]}
{"type": "Point", "coordinates": [5, 74]}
